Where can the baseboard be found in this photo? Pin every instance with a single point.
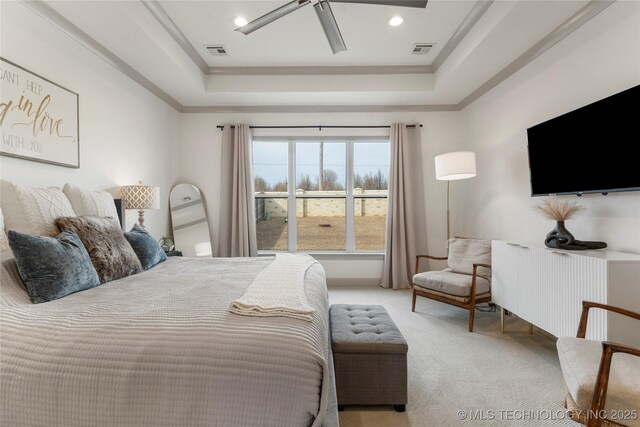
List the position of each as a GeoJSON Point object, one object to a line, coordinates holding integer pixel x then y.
{"type": "Point", "coordinates": [357, 281]}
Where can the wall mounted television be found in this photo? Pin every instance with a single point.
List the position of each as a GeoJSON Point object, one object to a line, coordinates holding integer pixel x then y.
{"type": "Point", "coordinates": [589, 150]}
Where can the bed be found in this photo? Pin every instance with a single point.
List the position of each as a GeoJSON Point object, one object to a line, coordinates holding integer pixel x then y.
{"type": "Point", "coordinates": [160, 348]}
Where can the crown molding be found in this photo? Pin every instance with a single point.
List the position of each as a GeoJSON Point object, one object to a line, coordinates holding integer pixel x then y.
{"type": "Point", "coordinates": [53, 17]}
{"type": "Point", "coordinates": [576, 21]}
{"type": "Point", "coordinates": [467, 24]}
{"type": "Point", "coordinates": [174, 31]}
{"type": "Point", "coordinates": [321, 70]}
{"type": "Point", "coordinates": [163, 18]}
{"type": "Point", "coordinates": [320, 108]}
{"type": "Point", "coordinates": [584, 15]}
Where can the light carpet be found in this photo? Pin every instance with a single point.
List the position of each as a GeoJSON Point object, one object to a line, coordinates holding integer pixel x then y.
{"type": "Point", "coordinates": [485, 377]}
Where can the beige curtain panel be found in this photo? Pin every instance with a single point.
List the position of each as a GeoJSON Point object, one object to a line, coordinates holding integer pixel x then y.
{"type": "Point", "coordinates": [237, 228]}
{"type": "Point", "coordinates": [406, 219]}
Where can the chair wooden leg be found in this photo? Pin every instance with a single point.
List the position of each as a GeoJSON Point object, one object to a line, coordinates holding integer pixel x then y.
{"type": "Point", "coordinates": [413, 302]}
{"type": "Point", "coordinates": [472, 302]}
{"type": "Point", "coordinates": [472, 315]}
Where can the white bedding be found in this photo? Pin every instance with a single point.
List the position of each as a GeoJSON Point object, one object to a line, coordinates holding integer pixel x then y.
{"type": "Point", "coordinates": [161, 349]}
{"type": "Point", "coordinates": [278, 290]}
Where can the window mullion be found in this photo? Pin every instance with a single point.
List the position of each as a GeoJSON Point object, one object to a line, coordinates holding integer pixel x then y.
{"type": "Point", "coordinates": [291, 200]}
{"type": "Point", "coordinates": [349, 203]}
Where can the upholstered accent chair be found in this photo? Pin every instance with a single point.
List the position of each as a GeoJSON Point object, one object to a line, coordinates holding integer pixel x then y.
{"type": "Point", "coordinates": [602, 390]}
{"type": "Point", "coordinates": [465, 283]}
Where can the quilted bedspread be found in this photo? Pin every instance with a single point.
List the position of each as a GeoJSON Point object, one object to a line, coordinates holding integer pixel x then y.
{"type": "Point", "coordinates": [161, 348]}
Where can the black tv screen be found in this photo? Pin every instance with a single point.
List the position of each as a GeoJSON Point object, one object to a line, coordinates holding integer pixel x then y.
{"type": "Point", "coordinates": [589, 150]}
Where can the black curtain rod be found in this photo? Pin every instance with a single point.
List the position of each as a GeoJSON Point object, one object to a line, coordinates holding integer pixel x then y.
{"type": "Point", "coordinates": [320, 127]}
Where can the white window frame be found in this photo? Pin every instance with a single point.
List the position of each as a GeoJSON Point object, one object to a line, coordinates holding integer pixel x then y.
{"type": "Point", "coordinates": [292, 197]}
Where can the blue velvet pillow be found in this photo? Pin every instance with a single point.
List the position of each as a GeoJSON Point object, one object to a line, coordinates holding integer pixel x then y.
{"type": "Point", "coordinates": [145, 246]}
{"type": "Point", "coordinates": [52, 267]}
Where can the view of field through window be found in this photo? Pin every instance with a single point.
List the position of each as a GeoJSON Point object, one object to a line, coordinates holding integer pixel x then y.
{"type": "Point", "coordinates": [321, 198]}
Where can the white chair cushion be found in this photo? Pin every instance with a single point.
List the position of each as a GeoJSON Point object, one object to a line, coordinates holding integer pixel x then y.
{"type": "Point", "coordinates": [580, 361]}
{"type": "Point", "coordinates": [90, 203]}
{"type": "Point", "coordinates": [463, 253]}
{"type": "Point", "coordinates": [33, 210]}
{"type": "Point", "coordinates": [448, 282]}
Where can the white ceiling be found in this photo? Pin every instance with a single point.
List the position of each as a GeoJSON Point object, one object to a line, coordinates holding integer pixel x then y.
{"type": "Point", "coordinates": [298, 40]}
{"type": "Point", "coordinates": [128, 29]}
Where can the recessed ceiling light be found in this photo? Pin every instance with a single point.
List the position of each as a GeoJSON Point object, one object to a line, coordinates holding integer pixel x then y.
{"type": "Point", "coordinates": [394, 21]}
{"type": "Point", "coordinates": [240, 21]}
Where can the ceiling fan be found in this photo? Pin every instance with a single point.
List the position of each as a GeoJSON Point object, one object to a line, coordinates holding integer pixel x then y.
{"type": "Point", "coordinates": [325, 15]}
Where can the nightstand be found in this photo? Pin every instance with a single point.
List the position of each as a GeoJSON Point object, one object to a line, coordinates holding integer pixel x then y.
{"type": "Point", "coordinates": [173, 253]}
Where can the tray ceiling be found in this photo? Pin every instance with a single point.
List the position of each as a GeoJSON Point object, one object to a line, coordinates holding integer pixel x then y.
{"type": "Point", "coordinates": [289, 63]}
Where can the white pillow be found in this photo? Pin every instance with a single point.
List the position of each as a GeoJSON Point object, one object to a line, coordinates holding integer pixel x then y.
{"type": "Point", "coordinates": [90, 203]}
{"type": "Point", "coordinates": [4, 244]}
{"type": "Point", "coordinates": [33, 210]}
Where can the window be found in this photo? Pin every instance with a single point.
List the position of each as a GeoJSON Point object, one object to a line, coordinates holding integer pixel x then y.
{"type": "Point", "coordinates": [338, 202]}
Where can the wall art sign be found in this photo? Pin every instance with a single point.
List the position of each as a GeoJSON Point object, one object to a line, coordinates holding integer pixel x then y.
{"type": "Point", "coordinates": [38, 118]}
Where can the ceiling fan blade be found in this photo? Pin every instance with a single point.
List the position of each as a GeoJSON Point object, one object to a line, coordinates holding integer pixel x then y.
{"type": "Point", "coordinates": [402, 3]}
{"type": "Point", "coordinates": [330, 26]}
{"type": "Point", "coordinates": [272, 16]}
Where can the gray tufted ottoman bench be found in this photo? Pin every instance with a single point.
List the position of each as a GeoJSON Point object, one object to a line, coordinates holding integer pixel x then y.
{"type": "Point", "coordinates": [370, 356]}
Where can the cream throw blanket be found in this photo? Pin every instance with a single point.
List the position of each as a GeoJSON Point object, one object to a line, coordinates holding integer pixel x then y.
{"type": "Point", "coordinates": [278, 290]}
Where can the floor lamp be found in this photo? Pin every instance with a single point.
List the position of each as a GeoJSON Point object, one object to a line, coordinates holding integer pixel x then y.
{"type": "Point", "coordinates": [452, 166]}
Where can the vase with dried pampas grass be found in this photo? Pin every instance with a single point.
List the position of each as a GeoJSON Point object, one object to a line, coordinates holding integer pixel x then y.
{"type": "Point", "coordinates": [559, 210]}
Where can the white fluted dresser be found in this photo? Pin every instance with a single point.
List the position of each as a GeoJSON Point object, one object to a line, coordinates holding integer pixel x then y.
{"type": "Point", "coordinates": [546, 288]}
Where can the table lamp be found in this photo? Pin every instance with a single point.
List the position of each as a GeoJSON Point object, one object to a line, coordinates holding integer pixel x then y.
{"type": "Point", "coordinates": [140, 197]}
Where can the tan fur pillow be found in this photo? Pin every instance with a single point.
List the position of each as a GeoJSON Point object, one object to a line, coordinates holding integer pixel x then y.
{"type": "Point", "coordinates": [111, 254]}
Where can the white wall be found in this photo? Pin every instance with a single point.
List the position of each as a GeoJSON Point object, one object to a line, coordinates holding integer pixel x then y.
{"type": "Point", "coordinates": [599, 59]}
{"type": "Point", "coordinates": [126, 133]}
{"type": "Point", "coordinates": [200, 153]}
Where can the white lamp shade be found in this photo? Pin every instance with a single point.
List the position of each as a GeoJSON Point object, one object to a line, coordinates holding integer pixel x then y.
{"type": "Point", "coordinates": [456, 165]}
{"type": "Point", "coordinates": [140, 196]}
{"type": "Point", "coordinates": [203, 249]}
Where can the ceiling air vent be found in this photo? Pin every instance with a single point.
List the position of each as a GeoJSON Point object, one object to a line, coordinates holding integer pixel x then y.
{"type": "Point", "coordinates": [217, 50]}
{"type": "Point", "coordinates": [422, 48]}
